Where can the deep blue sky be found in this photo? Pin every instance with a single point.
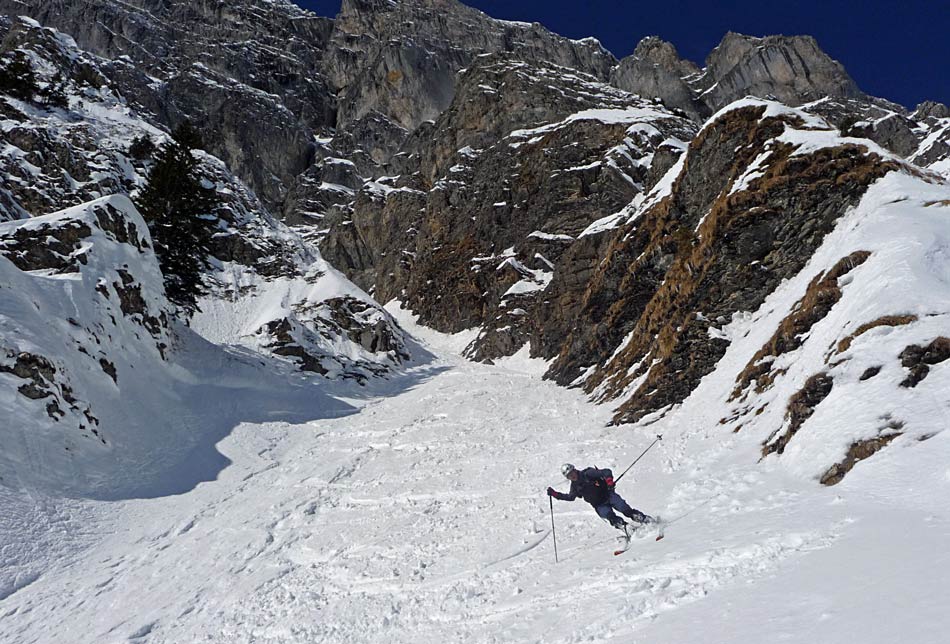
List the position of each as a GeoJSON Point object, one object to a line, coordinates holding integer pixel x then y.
{"type": "Point", "coordinates": [899, 51]}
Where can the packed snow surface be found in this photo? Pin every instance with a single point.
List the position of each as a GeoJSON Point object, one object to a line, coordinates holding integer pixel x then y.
{"type": "Point", "coordinates": [422, 518]}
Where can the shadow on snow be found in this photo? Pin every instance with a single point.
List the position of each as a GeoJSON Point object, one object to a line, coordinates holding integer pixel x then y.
{"type": "Point", "coordinates": [219, 389]}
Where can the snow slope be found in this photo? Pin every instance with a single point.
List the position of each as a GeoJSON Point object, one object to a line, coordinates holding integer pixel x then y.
{"type": "Point", "coordinates": [422, 519]}
{"type": "Point", "coordinates": [332, 324]}
{"type": "Point", "coordinates": [103, 394]}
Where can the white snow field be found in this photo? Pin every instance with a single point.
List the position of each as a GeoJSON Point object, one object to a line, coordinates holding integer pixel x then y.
{"type": "Point", "coordinates": [423, 518]}
{"type": "Point", "coordinates": [274, 507]}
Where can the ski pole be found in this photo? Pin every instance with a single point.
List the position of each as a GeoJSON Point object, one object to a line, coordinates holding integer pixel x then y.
{"type": "Point", "coordinates": [553, 533]}
{"type": "Point", "coordinates": [658, 439]}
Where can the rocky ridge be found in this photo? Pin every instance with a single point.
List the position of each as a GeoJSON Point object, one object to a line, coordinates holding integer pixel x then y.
{"type": "Point", "coordinates": [792, 70]}
{"type": "Point", "coordinates": [100, 144]}
{"type": "Point", "coordinates": [285, 93]}
{"type": "Point", "coordinates": [496, 191]}
{"type": "Point", "coordinates": [399, 59]}
{"type": "Point", "coordinates": [754, 197]}
{"type": "Point", "coordinates": [242, 71]}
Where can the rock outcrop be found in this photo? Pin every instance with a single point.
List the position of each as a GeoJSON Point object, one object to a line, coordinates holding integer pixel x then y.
{"type": "Point", "coordinates": [656, 69]}
{"type": "Point", "coordinates": [791, 69]}
{"type": "Point", "coordinates": [246, 73]}
{"type": "Point", "coordinates": [497, 190]}
{"type": "Point", "coordinates": [794, 71]}
{"type": "Point", "coordinates": [745, 210]}
{"type": "Point", "coordinates": [399, 59]}
{"type": "Point", "coordinates": [83, 304]}
{"type": "Point", "coordinates": [98, 144]}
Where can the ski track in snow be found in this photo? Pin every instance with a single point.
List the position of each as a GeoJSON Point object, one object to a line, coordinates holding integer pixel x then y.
{"type": "Point", "coordinates": [420, 519]}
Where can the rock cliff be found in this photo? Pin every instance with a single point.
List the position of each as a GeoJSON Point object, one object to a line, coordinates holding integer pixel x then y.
{"type": "Point", "coordinates": [98, 143]}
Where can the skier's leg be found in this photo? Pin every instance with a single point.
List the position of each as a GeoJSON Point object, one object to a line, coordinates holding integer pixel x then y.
{"type": "Point", "coordinates": [617, 502]}
{"type": "Point", "coordinates": [605, 511]}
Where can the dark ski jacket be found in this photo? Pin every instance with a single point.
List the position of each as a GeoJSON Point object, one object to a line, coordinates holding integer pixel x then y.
{"type": "Point", "coordinates": [591, 485]}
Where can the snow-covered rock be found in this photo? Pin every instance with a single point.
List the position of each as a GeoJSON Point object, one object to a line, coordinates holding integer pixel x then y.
{"type": "Point", "coordinates": [854, 351]}
{"type": "Point", "coordinates": [84, 327]}
{"type": "Point", "coordinates": [105, 393]}
{"type": "Point", "coordinates": [318, 320]}
{"type": "Point", "coordinates": [100, 144]}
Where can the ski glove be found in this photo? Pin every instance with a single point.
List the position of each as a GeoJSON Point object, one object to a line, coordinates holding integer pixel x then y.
{"type": "Point", "coordinates": [609, 481]}
{"type": "Point", "coordinates": [553, 492]}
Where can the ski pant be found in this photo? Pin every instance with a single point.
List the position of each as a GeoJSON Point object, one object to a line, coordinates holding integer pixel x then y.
{"type": "Point", "coordinates": [615, 502]}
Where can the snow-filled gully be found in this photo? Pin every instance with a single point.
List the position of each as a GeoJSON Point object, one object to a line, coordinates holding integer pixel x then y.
{"type": "Point", "coordinates": [423, 519]}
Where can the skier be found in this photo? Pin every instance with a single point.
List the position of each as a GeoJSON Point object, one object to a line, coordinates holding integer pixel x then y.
{"type": "Point", "coordinates": [597, 488]}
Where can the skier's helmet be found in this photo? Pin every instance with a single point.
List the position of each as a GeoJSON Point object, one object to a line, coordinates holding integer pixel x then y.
{"type": "Point", "coordinates": [566, 470]}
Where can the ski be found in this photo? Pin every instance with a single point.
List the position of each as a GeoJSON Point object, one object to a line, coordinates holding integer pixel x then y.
{"type": "Point", "coordinates": [660, 526]}
{"type": "Point", "coordinates": [626, 545]}
{"type": "Point", "coordinates": [627, 536]}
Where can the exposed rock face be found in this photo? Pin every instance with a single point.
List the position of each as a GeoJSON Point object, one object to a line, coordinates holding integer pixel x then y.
{"type": "Point", "coordinates": [99, 144]}
{"type": "Point", "coordinates": [822, 294]}
{"type": "Point", "coordinates": [57, 249]}
{"type": "Point", "coordinates": [245, 72]}
{"type": "Point", "coordinates": [801, 406]}
{"type": "Point", "coordinates": [918, 359]}
{"type": "Point", "coordinates": [933, 137]}
{"type": "Point", "coordinates": [887, 320]}
{"type": "Point", "coordinates": [502, 185]}
{"type": "Point", "coordinates": [655, 69]}
{"type": "Point", "coordinates": [717, 244]}
{"type": "Point", "coordinates": [790, 69]}
{"type": "Point", "coordinates": [263, 77]}
{"type": "Point", "coordinates": [857, 452]}
{"type": "Point", "coordinates": [317, 320]}
{"type": "Point", "coordinates": [271, 84]}
{"type": "Point", "coordinates": [111, 309]}
{"type": "Point", "coordinates": [920, 138]}
{"type": "Point", "coordinates": [497, 95]}
{"type": "Point", "coordinates": [373, 241]}
{"type": "Point", "coordinates": [793, 70]}
{"type": "Point", "coordinates": [400, 58]}
{"type": "Point", "coordinates": [308, 334]}
{"type": "Point", "coordinates": [253, 132]}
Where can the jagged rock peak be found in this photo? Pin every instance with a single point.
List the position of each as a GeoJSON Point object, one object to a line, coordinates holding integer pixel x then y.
{"type": "Point", "coordinates": [400, 58]}
{"type": "Point", "coordinates": [792, 69]}
{"type": "Point", "coordinates": [350, 7]}
{"type": "Point", "coordinates": [655, 69]}
{"type": "Point", "coordinates": [661, 52]}
{"type": "Point", "coordinates": [931, 109]}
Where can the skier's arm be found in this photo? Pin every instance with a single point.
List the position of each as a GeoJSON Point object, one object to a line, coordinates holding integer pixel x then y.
{"type": "Point", "coordinates": [570, 496]}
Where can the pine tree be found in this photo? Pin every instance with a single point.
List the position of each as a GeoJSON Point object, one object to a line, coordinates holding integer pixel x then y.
{"type": "Point", "coordinates": [141, 148]}
{"type": "Point", "coordinates": [17, 77]}
{"type": "Point", "coordinates": [179, 211]}
{"type": "Point", "coordinates": [54, 93]}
